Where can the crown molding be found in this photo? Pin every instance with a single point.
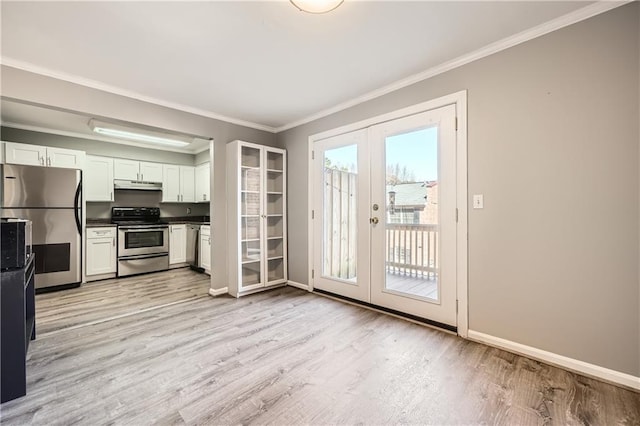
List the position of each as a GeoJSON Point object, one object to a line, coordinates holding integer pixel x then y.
{"type": "Point", "coordinates": [26, 66]}
{"type": "Point", "coordinates": [100, 138]}
{"type": "Point", "coordinates": [530, 34]}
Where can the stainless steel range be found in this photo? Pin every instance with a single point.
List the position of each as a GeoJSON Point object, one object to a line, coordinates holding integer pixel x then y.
{"type": "Point", "coordinates": [143, 240]}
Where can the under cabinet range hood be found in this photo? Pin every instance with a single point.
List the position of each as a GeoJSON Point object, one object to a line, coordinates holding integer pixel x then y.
{"type": "Point", "coordinates": [137, 185]}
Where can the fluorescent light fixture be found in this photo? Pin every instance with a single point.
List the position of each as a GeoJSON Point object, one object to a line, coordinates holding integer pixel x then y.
{"type": "Point", "coordinates": [316, 6]}
{"type": "Point", "coordinates": [140, 135]}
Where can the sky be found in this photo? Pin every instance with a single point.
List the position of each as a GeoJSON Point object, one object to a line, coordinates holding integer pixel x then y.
{"type": "Point", "coordinates": [418, 150]}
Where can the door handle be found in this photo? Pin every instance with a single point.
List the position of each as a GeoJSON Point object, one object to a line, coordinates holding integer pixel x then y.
{"type": "Point", "coordinates": [374, 220]}
{"type": "Point", "coordinates": [113, 242]}
{"type": "Point", "coordinates": [42, 161]}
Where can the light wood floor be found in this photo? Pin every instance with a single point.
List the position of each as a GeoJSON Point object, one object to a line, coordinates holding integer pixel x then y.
{"type": "Point", "coordinates": [100, 300]}
{"type": "Point", "coordinates": [290, 357]}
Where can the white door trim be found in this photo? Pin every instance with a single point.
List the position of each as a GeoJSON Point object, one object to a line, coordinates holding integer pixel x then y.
{"type": "Point", "coordinates": [459, 99]}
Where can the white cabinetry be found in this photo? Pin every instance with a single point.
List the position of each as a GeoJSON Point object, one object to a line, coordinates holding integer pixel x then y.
{"type": "Point", "coordinates": [205, 248]}
{"type": "Point", "coordinates": [256, 214]}
{"type": "Point", "coordinates": [177, 245]}
{"type": "Point", "coordinates": [35, 155]}
{"type": "Point", "coordinates": [178, 184]}
{"type": "Point", "coordinates": [98, 179]}
{"type": "Point", "coordinates": [203, 178]}
{"type": "Point", "coordinates": [101, 253]}
{"type": "Point", "coordinates": [137, 170]}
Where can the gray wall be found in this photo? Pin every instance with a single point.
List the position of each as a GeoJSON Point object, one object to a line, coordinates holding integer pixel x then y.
{"type": "Point", "coordinates": [553, 144]}
{"type": "Point", "coordinates": [49, 92]}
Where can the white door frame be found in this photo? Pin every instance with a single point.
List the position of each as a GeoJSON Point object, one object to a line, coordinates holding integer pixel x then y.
{"type": "Point", "coordinates": [459, 99]}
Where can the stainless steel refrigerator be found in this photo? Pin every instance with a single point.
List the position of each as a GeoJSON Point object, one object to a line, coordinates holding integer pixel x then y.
{"type": "Point", "coordinates": [50, 198]}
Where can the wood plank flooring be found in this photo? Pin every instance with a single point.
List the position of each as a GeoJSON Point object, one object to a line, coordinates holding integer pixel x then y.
{"type": "Point", "coordinates": [287, 357]}
{"type": "Point", "coordinates": [100, 300]}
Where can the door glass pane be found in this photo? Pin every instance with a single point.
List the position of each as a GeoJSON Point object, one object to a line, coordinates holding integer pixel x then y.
{"type": "Point", "coordinates": [339, 213]}
{"type": "Point", "coordinates": [412, 254]}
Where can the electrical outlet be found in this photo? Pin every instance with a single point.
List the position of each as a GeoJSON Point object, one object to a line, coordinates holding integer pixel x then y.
{"type": "Point", "coordinates": [188, 210]}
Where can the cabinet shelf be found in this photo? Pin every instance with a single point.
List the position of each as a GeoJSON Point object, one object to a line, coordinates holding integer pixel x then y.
{"type": "Point", "coordinates": [274, 193]}
{"type": "Point", "coordinates": [275, 238]}
{"type": "Point", "coordinates": [274, 171]}
{"type": "Point", "coordinates": [246, 260]}
{"type": "Point", "coordinates": [275, 215]}
{"type": "Point", "coordinates": [249, 240]}
{"type": "Point", "coordinates": [246, 191]}
{"type": "Point", "coordinates": [275, 257]}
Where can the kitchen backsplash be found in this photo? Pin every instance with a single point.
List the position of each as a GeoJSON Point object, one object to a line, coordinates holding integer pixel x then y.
{"type": "Point", "coordinates": [124, 198]}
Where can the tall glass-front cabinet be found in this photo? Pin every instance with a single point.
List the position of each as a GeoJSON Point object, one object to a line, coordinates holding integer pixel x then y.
{"type": "Point", "coordinates": [257, 217]}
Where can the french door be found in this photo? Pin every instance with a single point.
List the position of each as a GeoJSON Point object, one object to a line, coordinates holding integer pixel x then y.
{"type": "Point", "coordinates": [384, 215]}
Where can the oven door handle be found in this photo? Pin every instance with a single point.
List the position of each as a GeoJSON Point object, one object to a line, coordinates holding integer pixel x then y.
{"type": "Point", "coordinates": [143, 228]}
{"type": "Point", "coordinates": [143, 256]}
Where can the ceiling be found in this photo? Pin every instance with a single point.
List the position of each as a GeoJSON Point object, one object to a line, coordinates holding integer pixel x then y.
{"type": "Point", "coordinates": [262, 62]}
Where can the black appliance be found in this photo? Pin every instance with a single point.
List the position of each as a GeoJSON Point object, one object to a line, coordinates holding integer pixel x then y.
{"type": "Point", "coordinates": [15, 242]}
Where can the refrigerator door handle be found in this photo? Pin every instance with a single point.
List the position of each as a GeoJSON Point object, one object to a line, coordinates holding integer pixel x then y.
{"type": "Point", "coordinates": [76, 205]}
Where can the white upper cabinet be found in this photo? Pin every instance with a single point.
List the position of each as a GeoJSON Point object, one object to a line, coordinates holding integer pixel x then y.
{"type": "Point", "coordinates": [171, 183]}
{"type": "Point", "coordinates": [28, 155]}
{"type": "Point", "coordinates": [98, 179]}
{"type": "Point", "coordinates": [137, 170]}
{"type": "Point", "coordinates": [36, 155]}
{"type": "Point", "coordinates": [65, 158]}
{"type": "Point", "coordinates": [187, 184]}
{"type": "Point", "coordinates": [203, 192]}
{"type": "Point", "coordinates": [126, 169]}
{"type": "Point", "coordinates": [178, 185]}
{"type": "Point", "coordinates": [150, 172]}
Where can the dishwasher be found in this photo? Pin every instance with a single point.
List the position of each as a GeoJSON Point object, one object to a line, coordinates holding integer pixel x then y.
{"type": "Point", "coordinates": [193, 247]}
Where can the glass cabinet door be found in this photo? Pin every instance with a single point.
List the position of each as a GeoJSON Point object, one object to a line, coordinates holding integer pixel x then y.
{"type": "Point", "coordinates": [250, 217]}
{"type": "Point", "coordinates": [275, 215]}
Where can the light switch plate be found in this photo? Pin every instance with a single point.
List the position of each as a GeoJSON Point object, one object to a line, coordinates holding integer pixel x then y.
{"type": "Point", "coordinates": [478, 201]}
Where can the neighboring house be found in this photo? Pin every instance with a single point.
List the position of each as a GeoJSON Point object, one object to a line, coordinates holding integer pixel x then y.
{"type": "Point", "coordinates": [413, 203]}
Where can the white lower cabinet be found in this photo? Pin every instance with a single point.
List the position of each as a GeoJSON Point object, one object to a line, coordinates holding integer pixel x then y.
{"type": "Point", "coordinates": [177, 245]}
{"type": "Point", "coordinates": [205, 248]}
{"type": "Point", "coordinates": [101, 253]}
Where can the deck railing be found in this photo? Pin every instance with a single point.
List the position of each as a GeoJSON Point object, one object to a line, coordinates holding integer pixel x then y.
{"type": "Point", "coordinates": [412, 250]}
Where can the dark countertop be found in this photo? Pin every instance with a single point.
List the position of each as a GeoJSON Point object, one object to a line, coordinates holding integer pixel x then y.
{"type": "Point", "coordinates": [188, 220]}
{"type": "Point", "coordinates": [97, 223]}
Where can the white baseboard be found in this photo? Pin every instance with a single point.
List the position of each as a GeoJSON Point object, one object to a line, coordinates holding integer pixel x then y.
{"type": "Point", "coordinates": [218, 291]}
{"type": "Point", "coordinates": [298, 285]}
{"type": "Point", "coordinates": [584, 368]}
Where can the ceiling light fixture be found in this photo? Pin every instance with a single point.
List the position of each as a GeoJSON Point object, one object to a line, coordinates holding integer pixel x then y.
{"type": "Point", "coordinates": [149, 136]}
{"type": "Point", "coordinates": [316, 6]}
